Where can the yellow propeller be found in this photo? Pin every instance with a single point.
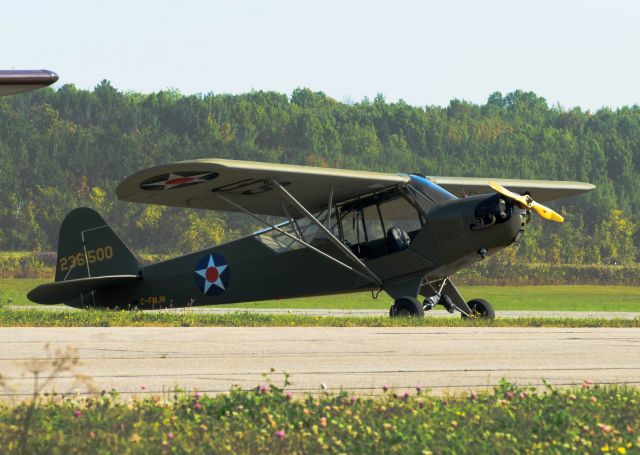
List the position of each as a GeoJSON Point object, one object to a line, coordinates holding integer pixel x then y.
{"type": "Point", "coordinates": [525, 200]}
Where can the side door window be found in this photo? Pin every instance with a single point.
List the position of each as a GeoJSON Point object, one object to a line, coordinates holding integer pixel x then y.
{"type": "Point", "coordinates": [373, 224]}
{"type": "Point", "coordinates": [310, 231]}
{"type": "Point", "coordinates": [398, 212]}
{"type": "Point", "coordinates": [352, 225]}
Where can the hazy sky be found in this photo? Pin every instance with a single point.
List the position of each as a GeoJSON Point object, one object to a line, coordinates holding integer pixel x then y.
{"type": "Point", "coordinates": [573, 52]}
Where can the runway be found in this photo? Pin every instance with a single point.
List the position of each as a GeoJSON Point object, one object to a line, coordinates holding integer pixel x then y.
{"type": "Point", "coordinates": [362, 360]}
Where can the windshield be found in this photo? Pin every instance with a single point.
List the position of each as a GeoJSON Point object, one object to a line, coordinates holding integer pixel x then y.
{"type": "Point", "coordinates": [430, 192]}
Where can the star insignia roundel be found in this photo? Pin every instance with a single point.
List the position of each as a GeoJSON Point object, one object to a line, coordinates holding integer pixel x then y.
{"type": "Point", "coordinates": [212, 274]}
{"type": "Point", "coordinates": [175, 180]}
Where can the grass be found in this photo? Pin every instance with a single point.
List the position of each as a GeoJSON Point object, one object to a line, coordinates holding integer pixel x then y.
{"type": "Point", "coordinates": [105, 318]}
{"type": "Point", "coordinates": [503, 298]}
{"type": "Point", "coordinates": [508, 419]}
{"type": "Point", "coordinates": [14, 291]}
{"type": "Point", "coordinates": [14, 254]}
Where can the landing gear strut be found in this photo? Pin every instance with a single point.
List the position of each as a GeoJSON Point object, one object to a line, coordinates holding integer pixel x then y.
{"type": "Point", "coordinates": [443, 292]}
{"type": "Point", "coordinates": [440, 292]}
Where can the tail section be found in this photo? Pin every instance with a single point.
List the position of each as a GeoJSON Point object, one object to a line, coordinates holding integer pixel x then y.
{"type": "Point", "coordinates": [88, 248]}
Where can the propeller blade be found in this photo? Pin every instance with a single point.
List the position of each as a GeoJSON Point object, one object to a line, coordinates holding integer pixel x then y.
{"type": "Point", "coordinates": [526, 201]}
{"type": "Point", "coordinates": [546, 213]}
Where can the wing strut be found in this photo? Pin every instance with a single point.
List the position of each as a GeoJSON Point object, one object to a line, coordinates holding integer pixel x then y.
{"type": "Point", "coordinates": [322, 253]}
{"type": "Point", "coordinates": [329, 207]}
{"type": "Point", "coordinates": [345, 249]}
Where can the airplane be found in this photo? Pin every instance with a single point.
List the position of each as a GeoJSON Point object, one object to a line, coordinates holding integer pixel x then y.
{"type": "Point", "coordinates": [343, 231]}
{"type": "Point", "coordinates": [20, 81]}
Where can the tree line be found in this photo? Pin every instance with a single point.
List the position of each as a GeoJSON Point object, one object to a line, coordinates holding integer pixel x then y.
{"type": "Point", "coordinates": [64, 148]}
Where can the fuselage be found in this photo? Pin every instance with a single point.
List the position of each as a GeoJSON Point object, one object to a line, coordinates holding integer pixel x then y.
{"type": "Point", "coordinates": [445, 235]}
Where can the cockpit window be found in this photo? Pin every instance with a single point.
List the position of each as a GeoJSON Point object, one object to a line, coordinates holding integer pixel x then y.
{"type": "Point", "coordinates": [400, 213]}
{"type": "Point", "coordinates": [370, 219]}
{"type": "Point", "coordinates": [353, 226]}
{"type": "Point", "coordinates": [301, 228]}
{"type": "Point", "coordinates": [362, 224]}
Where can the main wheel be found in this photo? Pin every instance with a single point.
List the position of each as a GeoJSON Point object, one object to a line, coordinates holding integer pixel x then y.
{"type": "Point", "coordinates": [406, 307]}
{"type": "Point", "coordinates": [480, 308]}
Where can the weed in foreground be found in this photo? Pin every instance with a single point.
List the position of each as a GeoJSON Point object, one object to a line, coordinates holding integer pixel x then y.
{"type": "Point", "coordinates": [44, 371]}
{"type": "Point", "coordinates": [508, 419]}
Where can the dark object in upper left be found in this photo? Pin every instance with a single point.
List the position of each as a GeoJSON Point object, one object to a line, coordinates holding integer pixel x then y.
{"type": "Point", "coordinates": [18, 81]}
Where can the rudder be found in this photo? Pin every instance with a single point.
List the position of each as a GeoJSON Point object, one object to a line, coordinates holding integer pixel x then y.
{"type": "Point", "coordinates": [88, 247]}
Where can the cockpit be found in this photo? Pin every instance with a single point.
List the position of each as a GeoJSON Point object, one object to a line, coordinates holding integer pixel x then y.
{"type": "Point", "coordinates": [379, 224]}
{"type": "Point", "coordinates": [371, 226]}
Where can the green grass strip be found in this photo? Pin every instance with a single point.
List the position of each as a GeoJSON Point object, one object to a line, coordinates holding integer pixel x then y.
{"type": "Point", "coordinates": [105, 318]}
{"type": "Point", "coordinates": [508, 419]}
{"type": "Point", "coordinates": [503, 298]}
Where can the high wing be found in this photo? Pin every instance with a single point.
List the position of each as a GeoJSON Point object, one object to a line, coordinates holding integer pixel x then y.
{"type": "Point", "coordinates": [18, 81]}
{"type": "Point", "coordinates": [196, 183]}
{"type": "Point", "coordinates": [540, 190]}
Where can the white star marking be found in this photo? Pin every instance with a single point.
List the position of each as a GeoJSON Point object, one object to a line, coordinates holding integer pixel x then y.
{"type": "Point", "coordinates": [176, 180]}
{"type": "Point", "coordinates": [203, 274]}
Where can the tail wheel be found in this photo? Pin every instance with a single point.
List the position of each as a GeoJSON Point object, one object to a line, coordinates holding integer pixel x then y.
{"type": "Point", "coordinates": [407, 307]}
{"type": "Point", "coordinates": [480, 308]}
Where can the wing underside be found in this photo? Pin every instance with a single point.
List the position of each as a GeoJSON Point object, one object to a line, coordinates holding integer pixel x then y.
{"type": "Point", "coordinates": [197, 183]}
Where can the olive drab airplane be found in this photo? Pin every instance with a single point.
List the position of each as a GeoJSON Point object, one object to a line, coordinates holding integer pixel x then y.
{"type": "Point", "coordinates": [343, 231]}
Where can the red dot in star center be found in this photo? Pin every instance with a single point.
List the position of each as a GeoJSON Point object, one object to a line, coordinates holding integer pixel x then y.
{"type": "Point", "coordinates": [211, 274]}
{"type": "Point", "coordinates": [178, 181]}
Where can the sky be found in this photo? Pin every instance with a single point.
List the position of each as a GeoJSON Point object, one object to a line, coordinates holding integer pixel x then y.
{"type": "Point", "coordinates": [572, 52]}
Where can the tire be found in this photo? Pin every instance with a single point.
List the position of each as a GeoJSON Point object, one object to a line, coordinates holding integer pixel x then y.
{"type": "Point", "coordinates": [406, 307]}
{"type": "Point", "coordinates": [480, 308]}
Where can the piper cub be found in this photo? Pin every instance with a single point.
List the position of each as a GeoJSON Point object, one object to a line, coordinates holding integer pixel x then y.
{"type": "Point", "coordinates": [343, 231]}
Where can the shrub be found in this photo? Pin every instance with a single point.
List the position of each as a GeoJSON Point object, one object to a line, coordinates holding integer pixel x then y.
{"type": "Point", "coordinates": [267, 419]}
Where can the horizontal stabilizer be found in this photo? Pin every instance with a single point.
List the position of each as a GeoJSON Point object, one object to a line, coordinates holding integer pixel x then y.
{"type": "Point", "coordinates": [63, 291]}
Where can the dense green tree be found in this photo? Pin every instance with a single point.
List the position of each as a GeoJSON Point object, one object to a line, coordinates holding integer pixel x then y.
{"type": "Point", "coordinates": [70, 147]}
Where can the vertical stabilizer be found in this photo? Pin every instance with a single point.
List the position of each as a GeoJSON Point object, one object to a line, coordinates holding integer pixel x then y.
{"type": "Point", "coordinates": [89, 248]}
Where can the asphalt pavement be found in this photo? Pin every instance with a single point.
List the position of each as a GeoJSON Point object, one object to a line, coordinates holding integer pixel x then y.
{"type": "Point", "coordinates": [150, 360]}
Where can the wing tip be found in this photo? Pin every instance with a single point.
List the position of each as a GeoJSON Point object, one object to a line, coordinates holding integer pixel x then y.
{"type": "Point", "coordinates": [28, 77]}
{"type": "Point", "coordinates": [19, 81]}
